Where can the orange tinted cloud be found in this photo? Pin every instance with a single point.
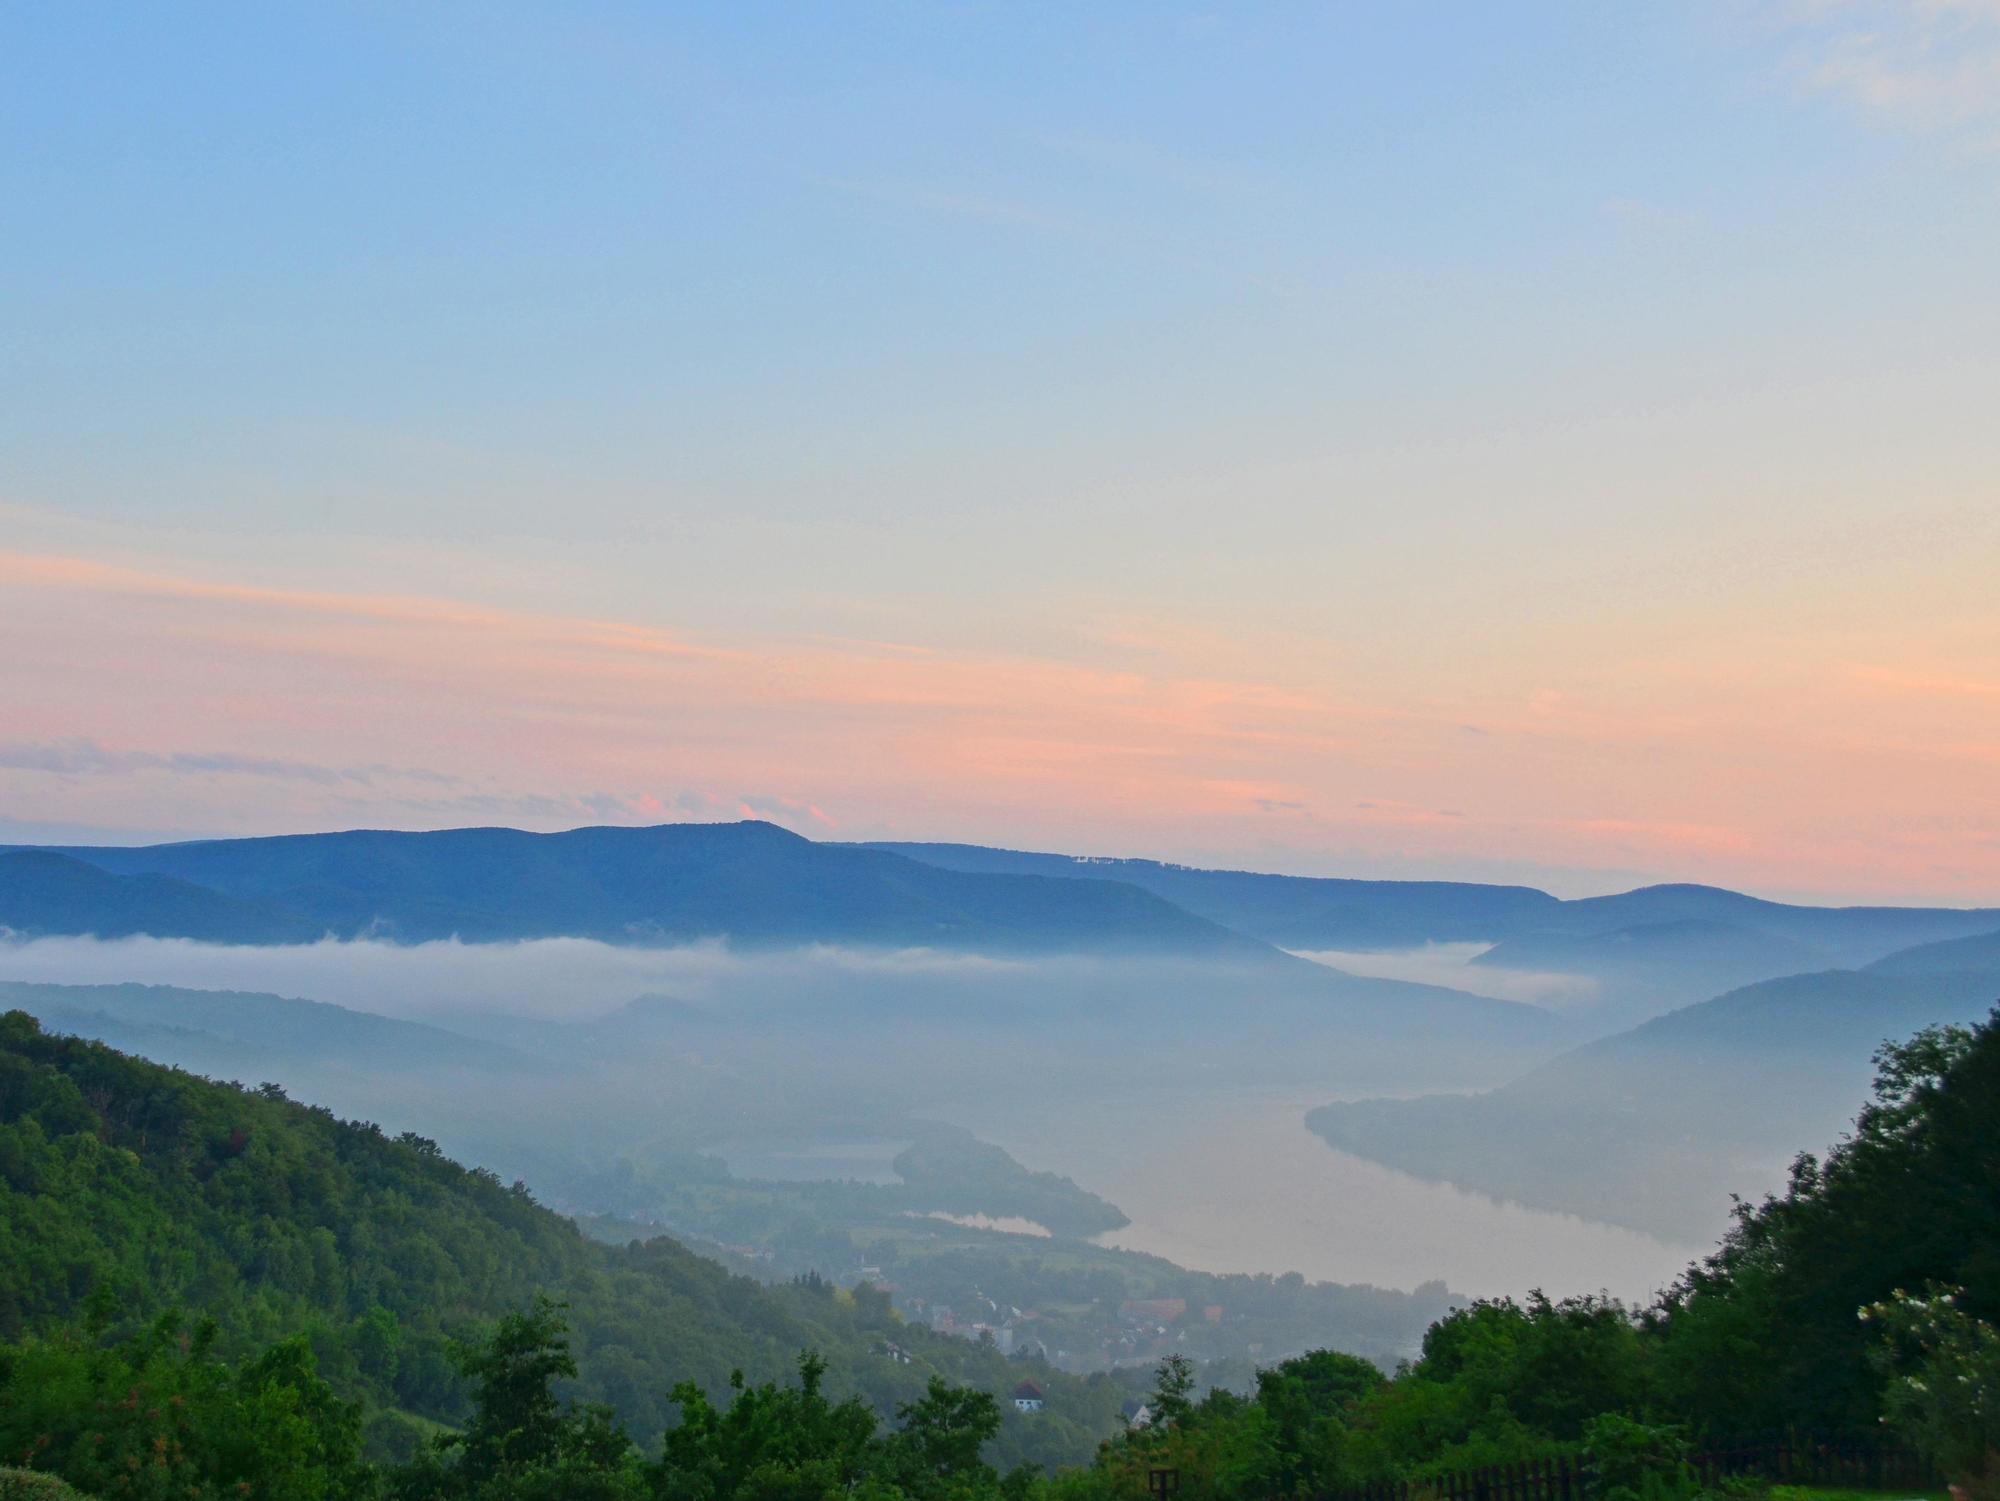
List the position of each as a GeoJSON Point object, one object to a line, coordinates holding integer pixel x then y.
{"type": "Point", "coordinates": [1786, 775]}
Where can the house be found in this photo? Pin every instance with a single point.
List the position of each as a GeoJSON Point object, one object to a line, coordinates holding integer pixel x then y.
{"type": "Point", "coordinates": [1028, 1397]}
{"type": "Point", "coordinates": [1137, 1414]}
{"type": "Point", "coordinates": [1156, 1311]}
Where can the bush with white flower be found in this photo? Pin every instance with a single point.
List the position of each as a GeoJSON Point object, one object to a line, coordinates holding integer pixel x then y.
{"type": "Point", "coordinates": [1943, 1392]}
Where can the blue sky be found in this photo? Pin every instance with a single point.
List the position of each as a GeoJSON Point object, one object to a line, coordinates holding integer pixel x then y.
{"type": "Point", "coordinates": [1413, 367]}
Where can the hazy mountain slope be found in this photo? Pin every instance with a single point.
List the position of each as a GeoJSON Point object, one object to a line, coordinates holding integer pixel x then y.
{"type": "Point", "coordinates": [43, 892]}
{"type": "Point", "coordinates": [1304, 912]}
{"type": "Point", "coordinates": [753, 883]}
{"type": "Point", "coordinates": [164, 1190]}
{"type": "Point", "coordinates": [1847, 936]}
{"type": "Point", "coordinates": [1645, 946]}
{"type": "Point", "coordinates": [1292, 911]}
{"type": "Point", "coordinates": [213, 1031]}
{"type": "Point", "coordinates": [1653, 967]}
{"type": "Point", "coordinates": [1656, 1126]}
{"type": "Point", "coordinates": [1979, 954]}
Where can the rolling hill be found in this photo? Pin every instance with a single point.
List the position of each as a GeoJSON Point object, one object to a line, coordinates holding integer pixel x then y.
{"type": "Point", "coordinates": [228, 1033]}
{"type": "Point", "coordinates": [1979, 954]}
{"type": "Point", "coordinates": [1308, 912]}
{"type": "Point", "coordinates": [752, 883]}
{"type": "Point", "coordinates": [43, 892]}
{"type": "Point", "coordinates": [1642, 970]}
{"type": "Point", "coordinates": [1847, 936]}
{"type": "Point", "coordinates": [1301, 912]}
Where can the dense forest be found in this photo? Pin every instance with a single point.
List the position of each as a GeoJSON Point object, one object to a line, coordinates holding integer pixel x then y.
{"type": "Point", "coordinates": [211, 1291]}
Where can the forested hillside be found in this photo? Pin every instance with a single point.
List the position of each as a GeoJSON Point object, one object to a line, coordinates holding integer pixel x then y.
{"type": "Point", "coordinates": [128, 1189]}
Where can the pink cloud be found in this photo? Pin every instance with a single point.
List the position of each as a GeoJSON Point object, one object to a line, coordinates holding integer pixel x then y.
{"type": "Point", "coordinates": [1775, 772]}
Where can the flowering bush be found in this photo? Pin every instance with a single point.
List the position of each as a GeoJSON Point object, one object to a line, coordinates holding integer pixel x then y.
{"type": "Point", "coordinates": [1943, 1392]}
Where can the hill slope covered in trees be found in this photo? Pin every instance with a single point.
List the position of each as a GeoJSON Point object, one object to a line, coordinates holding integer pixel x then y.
{"type": "Point", "coordinates": [128, 1189]}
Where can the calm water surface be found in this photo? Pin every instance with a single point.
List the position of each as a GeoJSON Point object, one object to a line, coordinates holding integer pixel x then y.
{"type": "Point", "coordinates": [1234, 1182]}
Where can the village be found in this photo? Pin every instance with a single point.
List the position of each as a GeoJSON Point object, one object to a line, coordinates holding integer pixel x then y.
{"type": "Point", "coordinates": [1098, 1335]}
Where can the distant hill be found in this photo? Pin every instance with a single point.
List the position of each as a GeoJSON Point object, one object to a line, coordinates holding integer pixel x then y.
{"type": "Point", "coordinates": [1659, 947]}
{"type": "Point", "coordinates": [1300, 912]}
{"type": "Point", "coordinates": [1655, 1127]}
{"type": "Point", "coordinates": [1979, 954]}
{"type": "Point", "coordinates": [228, 1033]}
{"type": "Point", "coordinates": [1846, 936]}
{"type": "Point", "coordinates": [1312, 912]}
{"type": "Point", "coordinates": [1655, 966]}
{"type": "Point", "coordinates": [44, 892]}
{"type": "Point", "coordinates": [753, 883]}
{"type": "Point", "coordinates": [1642, 947]}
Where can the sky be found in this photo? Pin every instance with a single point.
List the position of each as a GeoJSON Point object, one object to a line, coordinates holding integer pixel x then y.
{"type": "Point", "coordinates": [1541, 442]}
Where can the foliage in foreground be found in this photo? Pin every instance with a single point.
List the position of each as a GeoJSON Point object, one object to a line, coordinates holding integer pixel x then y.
{"type": "Point", "coordinates": [161, 1416]}
{"type": "Point", "coordinates": [1944, 1384]}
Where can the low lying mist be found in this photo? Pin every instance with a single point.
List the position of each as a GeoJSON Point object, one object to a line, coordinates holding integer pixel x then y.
{"type": "Point", "coordinates": [1450, 965]}
{"type": "Point", "coordinates": [555, 979]}
{"type": "Point", "coordinates": [607, 1076]}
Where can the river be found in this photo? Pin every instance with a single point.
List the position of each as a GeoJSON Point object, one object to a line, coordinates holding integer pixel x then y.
{"type": "Point", "coordinates": [1234, 1182]}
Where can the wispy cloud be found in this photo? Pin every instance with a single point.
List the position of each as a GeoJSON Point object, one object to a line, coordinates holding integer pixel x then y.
{"type": "Point", "coordinates": [82, 756]}
{"type": "Point", "coordinates": [1931, 65]}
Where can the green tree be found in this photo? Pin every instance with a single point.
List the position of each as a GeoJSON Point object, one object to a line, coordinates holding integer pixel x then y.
{"type": "Point", "coordinates": [936, 1453]}
{"type": "Point", "coordinates": [524, 1443]}
{"type": "Point", "coordinates": [1173, 1392]}
{"type": "Point", "coordinates": [1763, 1334]}
{"type": "Point", "coordinates": [159, 1416]}
{"type": "Point", "coordinates": [1310, 1401]}
{"type": "Point", "coordinates": [770, 1442]}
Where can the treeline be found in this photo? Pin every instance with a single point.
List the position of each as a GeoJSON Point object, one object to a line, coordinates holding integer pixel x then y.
{"type": "Point", "coordinates": [1865, 1292]}
{"type": "Point", "coordinates": [161, 1416]}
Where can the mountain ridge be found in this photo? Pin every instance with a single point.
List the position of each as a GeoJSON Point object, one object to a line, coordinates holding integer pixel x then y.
{"type": "Point", "coordinates": [751, 883]}
{"type": "Point", "coordinates": [1327, 911]}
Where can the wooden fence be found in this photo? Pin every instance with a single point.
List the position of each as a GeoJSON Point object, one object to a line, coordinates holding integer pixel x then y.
{"type": "Point", "coordinates": [1855, 1463]}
